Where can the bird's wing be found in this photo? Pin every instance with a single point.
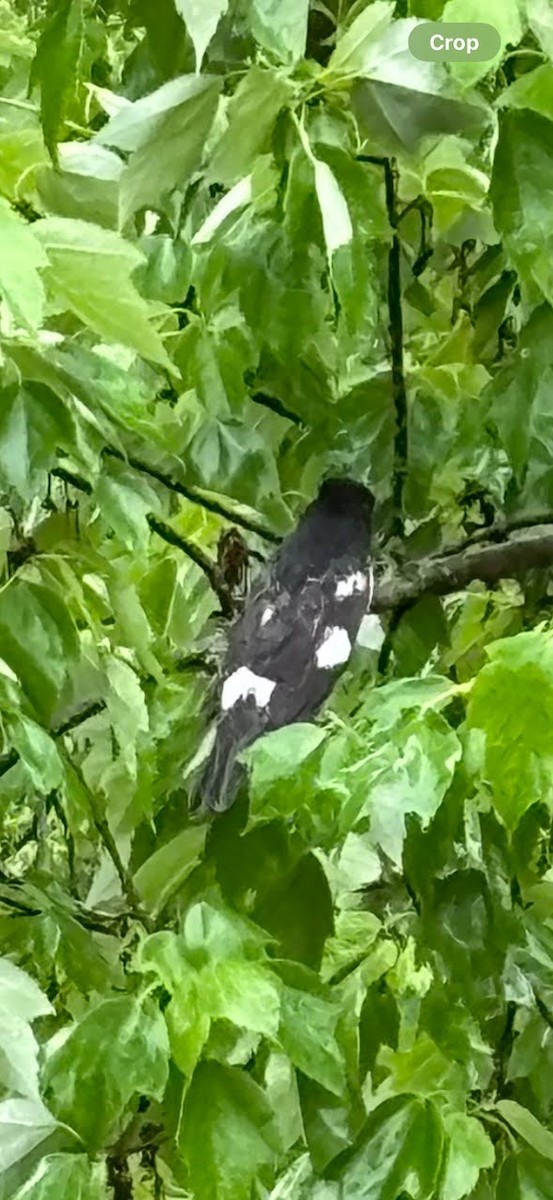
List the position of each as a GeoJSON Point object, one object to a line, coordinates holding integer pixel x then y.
{"type": "Point", "coordinates": [298, 641]}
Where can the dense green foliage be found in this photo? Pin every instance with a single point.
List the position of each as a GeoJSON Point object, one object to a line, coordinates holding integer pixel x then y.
{"type": "Point", "coordinates": [343, 988]}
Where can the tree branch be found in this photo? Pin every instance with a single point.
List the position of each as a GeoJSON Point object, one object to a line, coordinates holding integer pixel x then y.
{"type": "Point", "coordinates": [76, 481]}
{"type": "Point", "coordinates": [198, 556]}
{"type": "Point", "coordinates": [426, 214]}
{"type": "Point", "coordinates": [395, 328]}
{"type": "Point", "coordinates": [192, 494]}
{"type": "Point", "coordinates": [528, 548]}
{"type": "Point", "coordinates": [7, 761]}
{"type": "Point", "coordinates": [278, 407]}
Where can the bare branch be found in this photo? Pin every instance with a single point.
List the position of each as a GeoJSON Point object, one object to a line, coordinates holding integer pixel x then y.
{"type": "Point", "coordinates": [395, 329]}
{"type": "Point", "coordinates": [528, 548]}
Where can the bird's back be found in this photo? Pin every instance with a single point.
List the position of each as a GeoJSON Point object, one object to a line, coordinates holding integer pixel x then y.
{"type": "Point", "coordinates": [296, 632]}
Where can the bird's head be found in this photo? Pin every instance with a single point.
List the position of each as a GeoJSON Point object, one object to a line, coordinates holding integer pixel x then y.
{"type": "Point", "coordinates": [347, 497]}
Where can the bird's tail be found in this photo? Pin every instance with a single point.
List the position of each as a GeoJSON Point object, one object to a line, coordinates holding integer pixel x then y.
{"type": "Point", "coordinates": [222, 774]}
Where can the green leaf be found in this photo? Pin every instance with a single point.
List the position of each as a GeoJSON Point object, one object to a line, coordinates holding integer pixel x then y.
{"type": "Point", "coordinates": [188, 1022]}
{"type": "Point", "coordinates": [245, 993]}
{"type": "Point", "coordinates": [280, 26]}
{"type": "Point", "coordinates": [39, 641]}
{"type": "Point", "coordinates": [227, 1137]}
{"type": "Point", "coordinates": [540, 20]}
{"type": "Point", "coordinates": [230, 455]}
{"type": "Point", "coordinates": [518, 189]}
{"type": "Point", "coordinates": [83, 184]}
{"type": "Point", "coordinates": [24, 1124]}
{"type": "Point", "coordinates": [86, 263]}
{"type": "Point", "coordinates": [252, 113]}
{"type": "Point", "coordinates": [116, 1053]}
{"type": "Point", "coordinates": [239, 196]}
{"type": "Point", "coordinates": [21, 1001]}
{"type": "Point", "coordinates": [337, 227]}
{"type": "Point", "coordinates": [412, 775]}
{"type": "Point", "coordinates": [212, 934]}
{"type": "Point", "coordinates": [386, 705]}
{"type": "Point", "coordinates": [125, 508]}
{"type": "Point", "coordinates": [354, 44]}
{"type": "Point", "coordinates": [20, 259]}
{"type": "Point", "coordinates": [18, 1056]}
{"type": "Point", "coordinates": [201, 18]}
{"type": "Point", "coordinates": [402, 1141]}
{"type": "Point", "coordinates": [297, 911]}
{"type": "Point", "coordinates": [512, 703]}
{"type": "Point", "coordinates": [20, 995]}
{"type": "Point", "coordinates": [165, 133]}
{"type": "Point", "coordinates": [167, 274]}
{"type": "Point", "coordinates": [55, 65]}
{"type": "Point", "coordinates": [533, 91]}
{"type": "Point", "coordinates": [277, 756]}
{"type": "Point", "coordinates": [127, 709]}
{"type": "Point", "coordinates": [397, 118]}
{"type": "Point", "coordinates": [35, 424]}
{"type": "Point", "coordinates": [307, 1033]}
{"type": "Point", "coordinates": [524, 1175]}
{"type": "Point", "coordinates": [65, 1175]}
{"type": "Point", "coordinates": [469, 1151]}
{"type": "Point", "coordinates": [504, 15]}
{"type": "Point", "coordinates": [390, 61]}
{"type": "Point", "coordinates": [164, 872]}
{"type": "Point", "coordinates": [527, 1126]}
{"type": "Point", "coordinates": [38, 752]}
{"type": "Point", "coordinates": [354, 936]}
{"type": "Point", "coordinates": [211, 977]}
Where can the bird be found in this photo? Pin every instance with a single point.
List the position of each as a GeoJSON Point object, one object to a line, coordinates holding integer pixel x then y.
{"type": "Point", "coordinates": [295, 633]}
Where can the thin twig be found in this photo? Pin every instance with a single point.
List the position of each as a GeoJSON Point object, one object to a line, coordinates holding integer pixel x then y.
{"type": "Point", "coordinates": [191, 494]}
{"type": "Point", "coordinates": [110, 845]}
{"type": "Point", "coordinates": [395, 328]}
{"type": "Point", "coordinates": [426, 249]}
{"type": "Point", "coordinates": [7, 761]}
{"type": "Point", "coordinates": [76, 481]}
{"type": "Point", "coordinates": [276, 406]}
{"type": "Point", "coordinates": [198, 556]}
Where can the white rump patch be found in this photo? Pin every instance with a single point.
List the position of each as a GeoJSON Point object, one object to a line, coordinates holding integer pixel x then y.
{"type": "Point", "coordinates": [267, 614]}
{"type": "Point", "coordinates": [243, 683]}
{"type": "Point", "coordinates": [335, 647]}
{"type": "Point", "coordinates": [352, 583]}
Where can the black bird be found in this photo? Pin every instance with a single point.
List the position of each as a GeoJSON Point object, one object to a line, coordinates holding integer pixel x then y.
{"type": "Point", "coordinates": [296, 632]}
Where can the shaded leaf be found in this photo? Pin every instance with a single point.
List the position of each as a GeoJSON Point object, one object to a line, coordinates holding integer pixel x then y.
{"type": "Point", "coordinates": [55, 64]}
{"type": "Point", "coordinates": [227, 1136]}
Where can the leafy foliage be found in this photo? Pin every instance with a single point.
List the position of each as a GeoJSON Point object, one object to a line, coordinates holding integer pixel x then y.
{"type": "Point", "coordinates": [243, 243]}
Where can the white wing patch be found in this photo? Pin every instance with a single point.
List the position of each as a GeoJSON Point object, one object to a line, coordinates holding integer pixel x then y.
{"type": "Point", "coordinates": [335, 647]}
{"type": "Point", "coordinates": [357, 582]}
{"type": "Point", "coordinates": [267, 614]}
{"type": "Point", "coordinates": [243, 683]}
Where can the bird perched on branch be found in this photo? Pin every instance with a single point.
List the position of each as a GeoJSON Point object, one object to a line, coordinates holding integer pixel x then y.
{"type": "Point", "coordinates": [296, 632]}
